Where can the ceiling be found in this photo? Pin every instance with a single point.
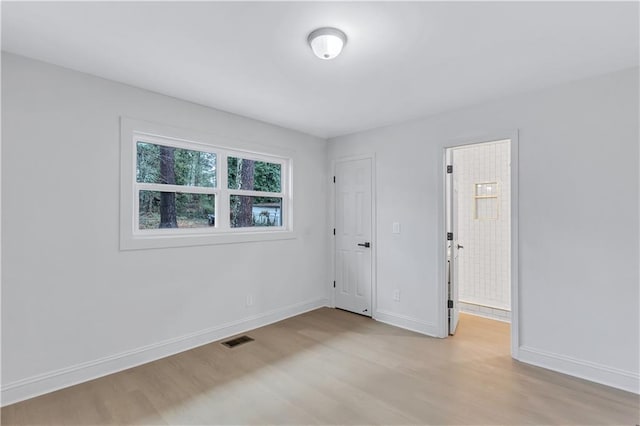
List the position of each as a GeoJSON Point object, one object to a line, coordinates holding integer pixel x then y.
{"type": "Point", "coordinates": [401, 61]}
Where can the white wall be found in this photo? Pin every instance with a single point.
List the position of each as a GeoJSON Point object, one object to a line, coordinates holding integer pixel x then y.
{"type": "Point", "coordinates": [484, 262]}
{"type": "Point", "coordinates": [578, 232]}
{"type": "Point", "coordinates": [73, 305]}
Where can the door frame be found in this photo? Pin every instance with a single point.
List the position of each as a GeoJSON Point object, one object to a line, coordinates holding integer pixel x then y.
{"type": "Point", "coordinates": [442, 240]}
{"type": "Point", "coordinates": [332, 224]}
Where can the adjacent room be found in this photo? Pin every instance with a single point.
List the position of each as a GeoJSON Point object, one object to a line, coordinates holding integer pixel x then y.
{"type": "Point", "coordinates": [230, 213]}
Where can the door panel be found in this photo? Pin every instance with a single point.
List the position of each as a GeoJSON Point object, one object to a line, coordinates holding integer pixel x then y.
{"type": "Point", "coordinates": [451, 202]}
{"type": "Point", "coordinates": [353, 227]}
{"type": "Point", "coordinates": [455, 265]}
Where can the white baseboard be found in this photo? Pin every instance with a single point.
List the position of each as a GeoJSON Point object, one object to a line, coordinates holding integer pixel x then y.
{"type": "Point", "coordinates": [406, 322]}
{"type": "Point", "coordinates": [72, 375]}
{"type": "Point", "coordinates": [614, 377]}
{"type": "Point", "coordinates": [481, 315]}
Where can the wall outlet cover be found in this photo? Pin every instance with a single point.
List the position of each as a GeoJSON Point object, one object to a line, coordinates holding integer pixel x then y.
{"type": "Point", "coordinates": [396, 228]}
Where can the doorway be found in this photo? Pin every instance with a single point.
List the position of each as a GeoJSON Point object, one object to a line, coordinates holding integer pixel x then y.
{"type": "Point", "coordinates": [479, 221]}
{"type": "Point", "coordinates": [353, 286]}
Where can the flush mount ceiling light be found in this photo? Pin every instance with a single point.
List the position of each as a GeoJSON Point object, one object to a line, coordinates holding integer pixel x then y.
{"type": "Point", "coordinates": [327, 43]}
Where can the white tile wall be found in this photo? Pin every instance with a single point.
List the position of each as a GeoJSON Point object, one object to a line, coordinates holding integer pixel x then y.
{"type": "Point", "coordinates": [485, 311]}
{"type": "Point", "coordinates": [484, 263]}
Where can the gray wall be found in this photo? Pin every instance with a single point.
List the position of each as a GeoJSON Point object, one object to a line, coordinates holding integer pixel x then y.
{"type": "Point", "coordinates": [70, 298]}
{"type": "Point", "coordinates": [75, 307]}
{"type": "Point", "coordinates": [578, 220]}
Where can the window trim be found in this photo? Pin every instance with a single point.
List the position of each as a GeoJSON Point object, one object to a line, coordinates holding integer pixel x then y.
{"type": "Point", "coordinates": [133, 131]}
{"type": "Point", "coordinates": [494, 196]}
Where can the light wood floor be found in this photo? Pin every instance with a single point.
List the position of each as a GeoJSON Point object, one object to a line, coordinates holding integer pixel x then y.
{"type": "Point", "coordinates": [332, 367]}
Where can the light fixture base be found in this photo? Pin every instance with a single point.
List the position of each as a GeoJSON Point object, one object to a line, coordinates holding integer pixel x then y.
{"type": "Point", "coordinates": [327, 42]}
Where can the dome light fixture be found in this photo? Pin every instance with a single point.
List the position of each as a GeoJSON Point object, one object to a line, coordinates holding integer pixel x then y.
{"type": "Point", "coordinates": [327, 43]}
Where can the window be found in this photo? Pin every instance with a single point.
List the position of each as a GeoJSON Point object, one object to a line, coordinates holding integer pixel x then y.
{"type": "Point", "coordinates": [255, 189]}
{"type": "Point", "coordinates": [180, 190]}
{"type": "Point", "coordinates": [486, 201]}
{"type": "Point", "coordinates": [176, 187]}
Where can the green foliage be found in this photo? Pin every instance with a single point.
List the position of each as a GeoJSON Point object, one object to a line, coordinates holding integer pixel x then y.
{"type": "Point", "coordinates": [192, 168]}
{"type": "Point", "coordinates": [266, 176]}
{"type": "Point", "coordinates": [192, 210]}
{"type": "Point", "coordinates": [197, 168]}
{"type": "Point", "coordinates": [265, 217]}
{"type": "Point", "coordinates": [148, 163]}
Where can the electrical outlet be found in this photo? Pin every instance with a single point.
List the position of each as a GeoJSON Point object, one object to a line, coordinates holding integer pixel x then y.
{"type": "Point", "coordinates": [249, 300]}
{"type": "Point", "coordinates": [396, 295]}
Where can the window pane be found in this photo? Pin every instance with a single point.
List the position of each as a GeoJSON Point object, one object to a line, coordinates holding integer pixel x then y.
{"type": "Point", "coordinates": [176, 166]}
{"type": "Point", "coordinates": [176, 210]}
{"type": "Point", "coordinates": [253, 175]}
{"type": "Point", "coordinates": [486, 189]}
{"type": "Point", "coordinates": [249, 211]}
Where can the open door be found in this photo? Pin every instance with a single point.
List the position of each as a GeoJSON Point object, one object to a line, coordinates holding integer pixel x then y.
{"type": "Point", "coordinates": [480, 212]}
{"type": "Point", "coordinates": [453, 245]}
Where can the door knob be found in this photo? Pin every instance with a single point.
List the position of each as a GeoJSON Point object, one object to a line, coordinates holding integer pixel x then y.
{"type": "Point", "coordinates": [460, 246]}
{"type": "Point", "coordinates": [367, 244]}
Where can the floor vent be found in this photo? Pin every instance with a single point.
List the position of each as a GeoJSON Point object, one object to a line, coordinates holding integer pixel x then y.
{"type": "Point", "coordinates": [237, 341]}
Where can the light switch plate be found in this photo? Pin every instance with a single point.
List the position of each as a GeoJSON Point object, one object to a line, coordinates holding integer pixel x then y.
{"type": "Point", "coordinates": [396, 228]}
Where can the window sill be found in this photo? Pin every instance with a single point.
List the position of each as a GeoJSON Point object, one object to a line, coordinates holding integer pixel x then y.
{"type": "Point", "coordinates": [142, 242]}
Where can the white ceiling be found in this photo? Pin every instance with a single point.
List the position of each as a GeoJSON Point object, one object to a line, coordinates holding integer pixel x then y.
{"type": "Point", "coordinates": [402, 60]}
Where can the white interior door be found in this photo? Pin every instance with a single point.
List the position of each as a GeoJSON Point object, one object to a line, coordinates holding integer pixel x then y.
{"type": "Point", "coordinates": [455, 266]}
{"type": "Point", "coordinates": [453, 245]}
{"type": "Point", "coordinates": [353, 236]}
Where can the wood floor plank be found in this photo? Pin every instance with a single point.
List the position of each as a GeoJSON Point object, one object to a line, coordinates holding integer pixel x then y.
{"type": "Point", "coordinates": [332, 367]}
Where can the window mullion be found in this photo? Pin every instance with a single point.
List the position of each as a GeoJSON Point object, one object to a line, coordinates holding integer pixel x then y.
{"type": "Point", "coordinates": [256, 193]}
{"type": "Point", "coordinates": [162, 187]}
{"type": "Point", "coordinates": [222, 203]}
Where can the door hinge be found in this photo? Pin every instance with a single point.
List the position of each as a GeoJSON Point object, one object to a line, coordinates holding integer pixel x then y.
{"type": "Point", "coordinates": [334, 284]}
{"type": "Point", "coordinates": [334, 179]}
{"type": "Point", "coordinates": [449, 236]}
{"type": "Point", "coordinates": [449, 169]}
{"type": "Point", "coordinates": [450, 304]}
{"type": "Point", "coordinates": [334, 231]}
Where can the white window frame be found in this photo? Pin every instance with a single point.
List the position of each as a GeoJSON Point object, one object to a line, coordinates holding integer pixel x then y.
{"type": "Point", "coordinates": [132, 238]}
{"type": "Point", "coordinates": [493, 196]}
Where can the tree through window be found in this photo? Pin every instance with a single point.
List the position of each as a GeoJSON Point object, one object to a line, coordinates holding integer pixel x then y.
{"type": "Point", "coordinates": [250, 176]}
{"type": "Point", "coordinates": [178, 188]}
